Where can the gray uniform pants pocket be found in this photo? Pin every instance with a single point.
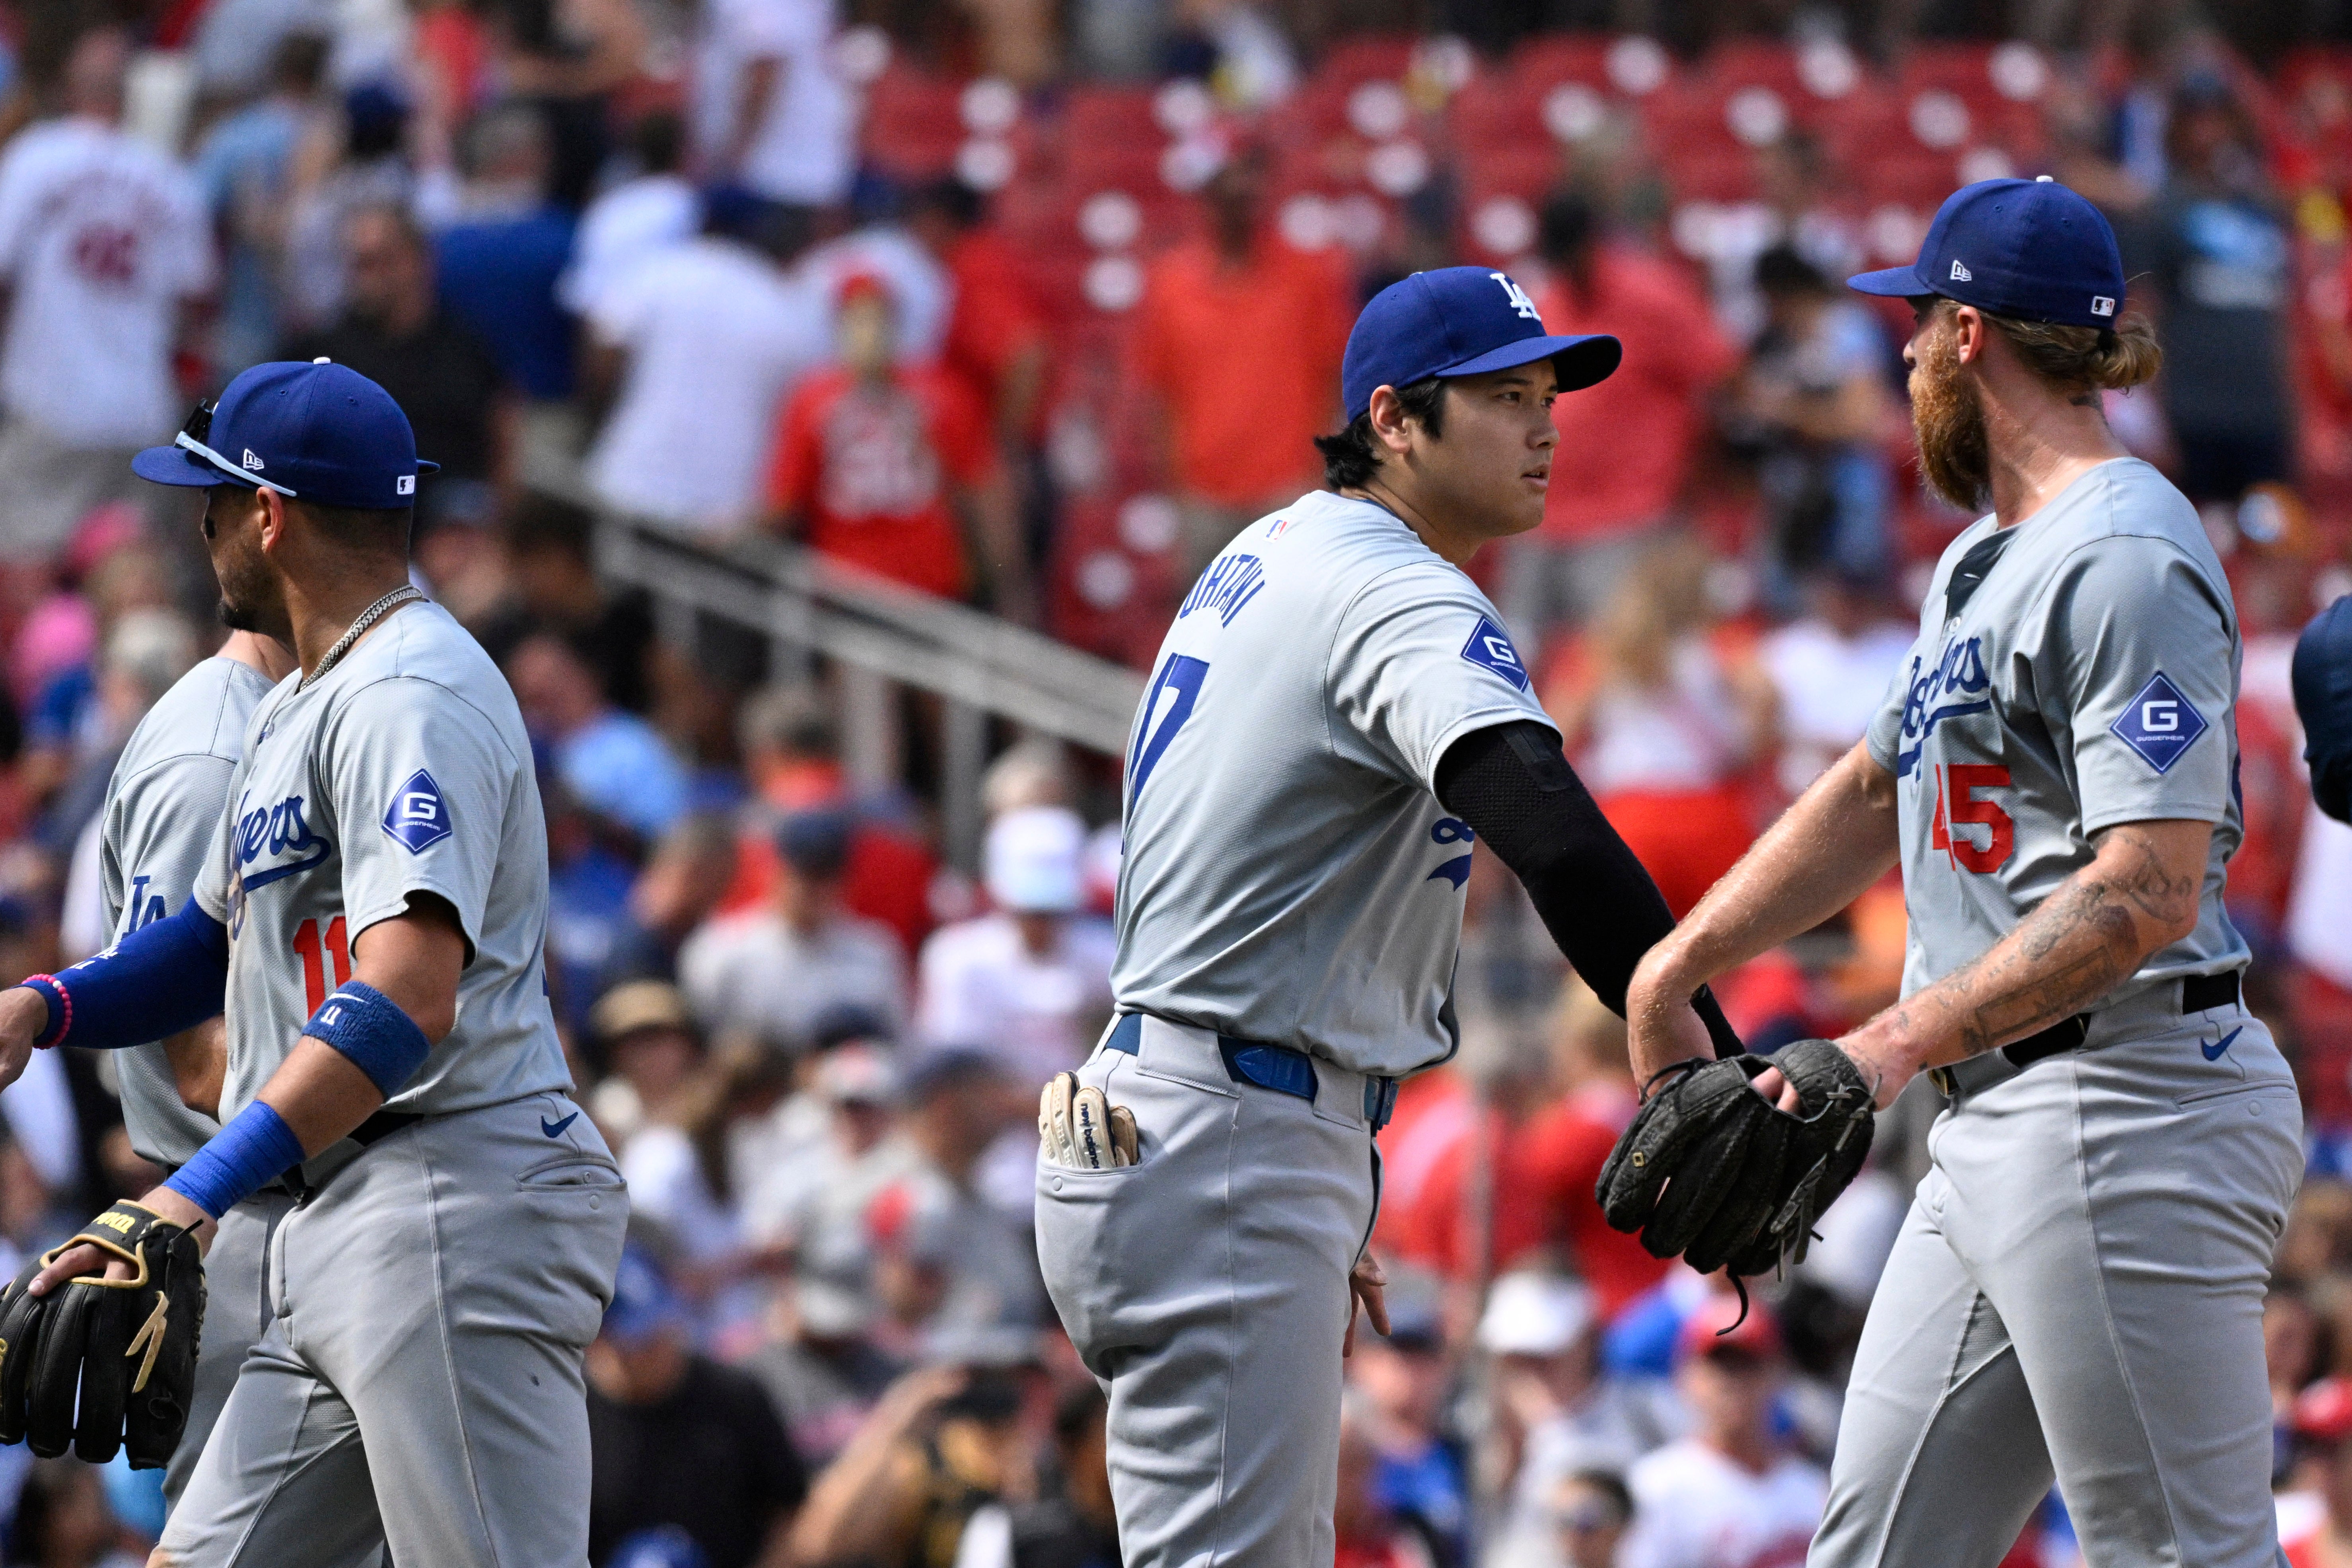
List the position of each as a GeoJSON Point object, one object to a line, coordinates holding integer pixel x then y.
{"type": "Point", "coordinates": [1207, 1288]}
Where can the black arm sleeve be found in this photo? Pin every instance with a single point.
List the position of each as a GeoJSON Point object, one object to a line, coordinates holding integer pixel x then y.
{"type": "Point", "coordinates": [1516, 790]}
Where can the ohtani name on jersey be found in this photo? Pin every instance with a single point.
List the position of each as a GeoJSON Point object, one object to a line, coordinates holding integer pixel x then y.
{"type": "Point", "coordinates": [1231, 581]}
{"type": "Point", "coordinates": [277, 831]}
{"type": "Point", "coordinates": [1959, 670]}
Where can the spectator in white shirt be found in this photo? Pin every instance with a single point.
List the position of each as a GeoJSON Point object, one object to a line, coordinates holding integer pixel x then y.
{"type": "Point", "coordinates": [644, 215]}
{"type": "Point", "coordinates": [1729, 1496]}
{"type": "Point", "coordinates": [703, 340]}
{"type": "Point", "coordinates": [1029, 984]}
{"type": "Point", "coordinates": [103, 240]}
{"type": "Point", "coordinates": [769, 108]}
{"type": "Point", "coordinates": [1831, 670]}
{"type": "Point", "coordinates": [774, 972]}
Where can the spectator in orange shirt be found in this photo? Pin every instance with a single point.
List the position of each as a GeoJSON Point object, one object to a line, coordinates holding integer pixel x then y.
{"type": "Point", "coordinates": [885, 466]}
{"type": "Point", "coordinates": [1617, 477]}
{"type": "Point", "coordinates": [1239, 340]}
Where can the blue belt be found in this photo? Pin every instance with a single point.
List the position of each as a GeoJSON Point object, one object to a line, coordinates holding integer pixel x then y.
{"type": "Point", "coordinates": [1278, 1068]}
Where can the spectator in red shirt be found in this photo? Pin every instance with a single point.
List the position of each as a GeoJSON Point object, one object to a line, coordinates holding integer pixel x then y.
{"type": "Point", "coordinates": [885, 466]}
{"type": "Point", "coordinates": [1617, 477]}
{"type": "Point", "coordinates": [1239, 340]}
{"type": "Point", "coordinates": [996, 337]}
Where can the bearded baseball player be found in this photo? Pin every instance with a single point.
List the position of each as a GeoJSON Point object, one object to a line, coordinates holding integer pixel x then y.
{"type": "Point", "coordinates": [2077, 1291]}
{"type": "Point", "coordinates": [370, 925]}
{"type": "Point", "coordinates": [162, 813]}
{"type": "Point", "coordinates": [1336, 717]}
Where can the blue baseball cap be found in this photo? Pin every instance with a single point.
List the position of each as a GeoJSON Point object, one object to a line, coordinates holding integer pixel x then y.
{"type": "Point", "coordinates": [1460, 321]}
{"type": "Point", "coordinates": [2029, 249]}
{"type": "Point", "coordinates": [320, 432]}
{"type": "Point", "coordinates": [2322, 674]}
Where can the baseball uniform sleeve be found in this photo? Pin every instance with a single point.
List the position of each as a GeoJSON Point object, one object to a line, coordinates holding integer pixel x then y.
{"type": "Point", "coordinates": [162, 824]}
{"type": "Point", "coordinates": [1884, 735]}
{"type": "Point", "coordinates": [1420, 659]}
{"type": "Point", "coordinates": [2135, 677]}
{"type": "Point", "coordinates": [419, 779]}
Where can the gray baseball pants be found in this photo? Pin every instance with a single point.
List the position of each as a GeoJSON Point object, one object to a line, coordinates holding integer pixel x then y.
{"type": "Point", "coordinates": [2077, 1293]}
{"type": "Point", "coordinates": [1207, 1288]}
{"type": "Point", "coordinates": [236, 1310]}
{"type": "Point", "coordinates": [419, 1383]}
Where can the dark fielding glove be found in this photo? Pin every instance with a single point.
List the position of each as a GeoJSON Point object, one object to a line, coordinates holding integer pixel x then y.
{"type": "Point", "coordinates": [1743, 1180]}
{"type": "Point", "coordinates": [130, 1346]}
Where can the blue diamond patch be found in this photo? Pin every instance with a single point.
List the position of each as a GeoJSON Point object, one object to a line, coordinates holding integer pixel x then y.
{"type": "Point", "coordinates": [1490, 649]}
{"type": "Point", "coordinates": [2158, 723]}
{"type": "Point", "coordinates": [418, 818]}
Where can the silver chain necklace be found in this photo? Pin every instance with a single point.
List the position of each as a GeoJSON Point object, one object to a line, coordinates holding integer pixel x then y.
{"type": "Point", "coordinates": [367, 619]}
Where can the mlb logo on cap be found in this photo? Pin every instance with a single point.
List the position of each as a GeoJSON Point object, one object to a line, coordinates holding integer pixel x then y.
{"type": "Point", "coordinates": [320, 432]}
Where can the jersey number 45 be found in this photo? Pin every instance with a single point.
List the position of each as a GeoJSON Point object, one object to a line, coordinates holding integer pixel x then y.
{"type": "Point", "coordinates": [1957, 783]}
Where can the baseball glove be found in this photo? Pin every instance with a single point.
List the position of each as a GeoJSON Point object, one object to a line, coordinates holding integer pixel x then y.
{"type": "Point", "coordinates": [1082, 1130]}
{"type": "Point", "coordinates": [130, 1346]}
{"type": "Point", "coordinates": [1743, 1180]}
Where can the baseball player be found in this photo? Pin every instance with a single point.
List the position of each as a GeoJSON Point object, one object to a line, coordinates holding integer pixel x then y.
{"type": "Point", "coordinates": [2078, 1287]}
{"type": "Point", "coordinates": [1336, 717]}
{"type": "Point", "coordinates": [163, 809]}
{"type": "Point", "coordinates": [371, 922]}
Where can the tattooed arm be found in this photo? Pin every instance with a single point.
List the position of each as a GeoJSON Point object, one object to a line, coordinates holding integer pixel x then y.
{"type": "Point", "coordinates": [2139, 893]}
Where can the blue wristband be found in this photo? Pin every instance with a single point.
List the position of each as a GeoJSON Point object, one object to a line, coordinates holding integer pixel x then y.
{"type": "Point", "coordinates": [368, 1027]}
{"type": "Point", "coordinates": [255, 1148]}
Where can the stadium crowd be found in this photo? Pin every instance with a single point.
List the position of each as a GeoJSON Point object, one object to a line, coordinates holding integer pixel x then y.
{"type": "Point", "coordinates": [1032, 307]}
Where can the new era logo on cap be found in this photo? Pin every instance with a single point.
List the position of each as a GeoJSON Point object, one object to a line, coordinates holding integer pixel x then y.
{"type": "Point", "coordinates": [252, 461]}
{"type": "Point", "coordinates": [1961, 274]}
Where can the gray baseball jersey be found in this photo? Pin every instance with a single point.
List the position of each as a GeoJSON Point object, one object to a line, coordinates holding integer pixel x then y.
{"type": "Point", "coordinates": [163, 812]}
{"type": "Point", "coordinates": [2077, 671]}
{"type": "Point", "coordinates": [1289, 875]}
{"type": "Point", "coordinates": [405, 770]}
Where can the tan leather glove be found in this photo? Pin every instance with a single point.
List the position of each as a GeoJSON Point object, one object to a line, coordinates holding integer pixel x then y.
{"type": "Point", "coordinates": [1082, 1130]}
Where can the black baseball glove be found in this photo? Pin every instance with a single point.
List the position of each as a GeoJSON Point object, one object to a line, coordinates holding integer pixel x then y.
{"type": "Point", "coordinates": [1743, 1180]}
{"type": "Point", "coordinates": [129, 1345]}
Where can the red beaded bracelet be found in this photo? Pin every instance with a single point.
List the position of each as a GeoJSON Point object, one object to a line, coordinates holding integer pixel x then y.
{"type": "Point", "coordinates": [65, 1005]}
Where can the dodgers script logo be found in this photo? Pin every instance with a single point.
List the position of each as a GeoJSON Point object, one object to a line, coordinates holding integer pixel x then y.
{"type": "Point", "coordinates": [1959, 672]}
{"type": "Point", "coordinates": [279, 834]}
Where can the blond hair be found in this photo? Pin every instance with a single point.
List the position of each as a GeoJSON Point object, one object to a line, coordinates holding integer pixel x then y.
{"type": "Point", "coordinates": [2083, 359]}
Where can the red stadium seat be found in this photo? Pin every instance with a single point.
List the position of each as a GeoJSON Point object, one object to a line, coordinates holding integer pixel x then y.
{"type": "Point", "coordinates": [914, 122]}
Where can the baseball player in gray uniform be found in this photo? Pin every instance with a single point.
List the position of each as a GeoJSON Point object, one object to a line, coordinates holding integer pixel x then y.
{"type": "Point", "coordinates": [2078, 1289]}
{"type": "Point", "coordinates": [162, 813]}
{"type": "Point", "coordinates": [371, 922]}
{"type": "Point", "coordinates": [1335, 716]}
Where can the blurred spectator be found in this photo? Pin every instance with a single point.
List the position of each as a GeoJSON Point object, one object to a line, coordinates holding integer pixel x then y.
{"type": "Point", "coordinates": [612, 762]}
{"type": "Point", "coordinates": [792, 758]}
{"type": "Point", "coordinates": [1239, 336]}
{"type": "Point", "coordinates": [394, 331]}
{"type": "Point", "coordinates": [700, 340]}
{"type": "Point", "coordinates": [1812, 406]}
{"type": "Point", "coordinates": [1663, 724]}
{"type": "Point", "coordinates": [1371, 1534]}
{"type": "Point", "coordinates": [1555, 1411]}
{"type": "Point", "coordinates": [941, 1446]}
{"type": "Point", "coordinates": [655, 208]}
{"type": "Point", "coordinates": [646, 1043]}
{"type": "Point", "coordinates": [683, 876]}
{"type": "Point", "coordinates": [677, 1439]}
{"type": "Point", "coordinates": [775, 971]}
{"type": "Point", "coordinates": [102, 243]}
{"type": "Point", "coordinates": [948, 1261]}
{"type": "Point", "coordinates": [1418, 1470]}
{"type": "Point", "coordinates": [369, 166]}
{"type": "Point", "coordinates": [996, 342]}
{"type": "Point", "coordinates": [246, 165]}
{"type": "Point", "coordinates": [564, 61]}
{"type": "Point", "coordinates": [551, 576]}
{"type": "Point", "coordinates": [1029, 984]}
{"type": "Point", "coordinates": [1830, 670]}
{"type": "Point", "coordinates": [499, 261]}
{"type": "Point", "coordinates": [771, 111]}
{"type": "Point", "coordinates": [889, 466]}
{"type": "Point", "coordinates": [1591, 1511]}
{"type": "Point", "coordinates": [1626, 445]}
{"type": "Point", "coordinates": [62, 1521]}
{"type": "Point", "coordinates": [1071, 1523]}
{"type": "Point", "coordinates": [2215, 249]}
{"type": "Point", "coordinates": [1729, 1495]}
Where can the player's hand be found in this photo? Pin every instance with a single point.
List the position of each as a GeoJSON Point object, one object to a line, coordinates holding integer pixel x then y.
{"type": "Point", "coordinates": [1368, 1285]}
{"type": "Point", "coordinates": [24, 1013]}
{"type": "Point", "coordinates": [1661, 1028]}
{"type": "Point", "coordinates": [1885, 1077]}
{"type": "Point", "coordinates": [85, 1260]}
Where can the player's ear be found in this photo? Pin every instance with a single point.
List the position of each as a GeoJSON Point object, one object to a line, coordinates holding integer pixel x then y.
{"type": "Point", "coordinates": [1388, 418]}
{"type": "Point", "coordinates": [1969, 331]}
{"type": "Point", "coordinates": [273, 516]}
